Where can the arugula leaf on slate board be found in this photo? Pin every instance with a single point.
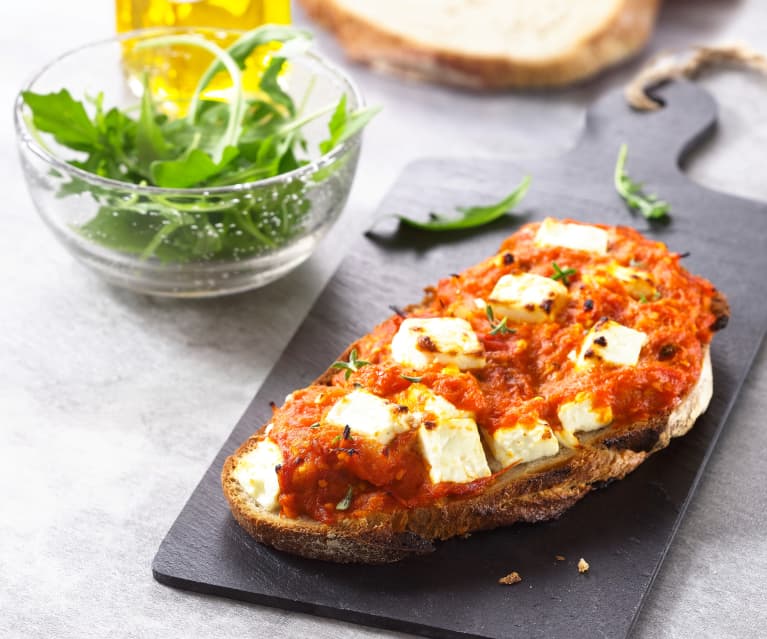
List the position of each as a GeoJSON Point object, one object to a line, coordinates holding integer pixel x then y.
{"type": "Point", "coordinates": [632, 192]}
{"type": "Point", "coordinates": [473, 216]}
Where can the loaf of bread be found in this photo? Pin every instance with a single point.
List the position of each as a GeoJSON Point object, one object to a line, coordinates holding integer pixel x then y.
{"type": "Point", "coordinates": [489, 44]}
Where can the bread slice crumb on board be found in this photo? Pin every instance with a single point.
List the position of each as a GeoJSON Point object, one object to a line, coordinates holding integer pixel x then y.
{"type": "Point", "coordinates": [510, 579]}
{"type": "Point", "coordinates": [583, 565]}
{"type": "Point", "coordinates": [489, 44]}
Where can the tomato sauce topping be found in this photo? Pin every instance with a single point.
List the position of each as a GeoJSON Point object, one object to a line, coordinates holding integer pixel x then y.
{"type": "Point", "coordinates": [529, 371]}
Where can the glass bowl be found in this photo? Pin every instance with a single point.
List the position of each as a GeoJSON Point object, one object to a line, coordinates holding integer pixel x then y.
{"type": "Point", "coordinates": [193, 242]}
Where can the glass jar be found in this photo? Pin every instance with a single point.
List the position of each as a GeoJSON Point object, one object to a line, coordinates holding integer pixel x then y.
{"type": "Point", "coordinates": [183, 66]}
{"type": "Point", "coordinates": [224, 14]}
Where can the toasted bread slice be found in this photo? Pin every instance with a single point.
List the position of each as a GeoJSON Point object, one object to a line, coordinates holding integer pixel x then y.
{"type": "Point", "coordinates": [658, 381]}
{"type": "Point", "coordinates": [489, 43]}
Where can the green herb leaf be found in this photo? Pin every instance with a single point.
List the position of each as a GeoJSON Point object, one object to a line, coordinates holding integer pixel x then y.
{"type": "Point", "coordinates": [414, 380]}
{"type": "Point", "coordinates": [562, 274]}
{"type": "Point", "coordinates": [344, 124]}
{"type": "Point", "coordinates": [237, 103]}
{"type": "Point", "coordinates": [346, 501]}
{"type": "Point", "coordinates": [498, 328]}
{"type": "Point", "coordinates": [352, 366]}
{"type": "Point", "coordinates": [150, 143]}
{"type": "Point", "coordinates": [192, 169]}
{"type": "Point", "coordinates": [315, 425]}
{"type": "Point", "coordinates": [65, 118]}
{"type": "Point", "coordinates": [647, 204]}
{"type": "Point", "coordinates": [501, 328]}
{"type": "Point", "coordinates": [124, 230]}
{"type": "Point", "coordinates": [473, 216]}
{"type": "Point", "coordinates": [240, 51]}
{"type": "Point", "coordinates": [270, 85]}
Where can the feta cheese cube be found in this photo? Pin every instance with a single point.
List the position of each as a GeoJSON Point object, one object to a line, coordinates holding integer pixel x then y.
{"type": "Point", "coordinates": [638, 284]}
{"type": "Point", "coordinates": [526, 441]}
{"type": "Point", "coordinates": [368, 415]}
{"type": "Point", "coordinates": [453, 450]}
{"type": "Point", "coordinates": [612, 343]}
{"type": "Point", "coordinates": [256, 472]}
{"type": "Point", "coordinates": [528, 298]}
{"type": "Point", "coordinates": [580, 414]}
{"type": "Point", "coordinates": [448, 437]}
{"type": "Point", "coordinates": [419, 342]}
{"type": "Point", "coordinates": [579, 237]}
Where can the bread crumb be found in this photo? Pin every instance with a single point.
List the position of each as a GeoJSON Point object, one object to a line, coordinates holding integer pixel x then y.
{"type": "Point", "coordinates": [559, 557]}
{"type": "Point", "coordinates": [583, 565]}
{"type": "Point", "coordinates": [511, 578]}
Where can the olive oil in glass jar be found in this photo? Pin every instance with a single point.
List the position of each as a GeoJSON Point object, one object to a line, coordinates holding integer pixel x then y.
{"type": "Point", "coordinates": [222, 14]}
{"type": "Point", "coordinates": [184, 65]}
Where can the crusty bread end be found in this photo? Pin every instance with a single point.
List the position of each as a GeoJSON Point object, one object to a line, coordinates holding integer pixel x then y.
{"type": "Point", "coordinates": [489, 44]}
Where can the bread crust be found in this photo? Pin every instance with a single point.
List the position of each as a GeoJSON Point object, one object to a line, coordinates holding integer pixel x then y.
{"type": "Point", "coordinates": [619, 37]}
{"type": "Point", "coordinates": [528, 493]}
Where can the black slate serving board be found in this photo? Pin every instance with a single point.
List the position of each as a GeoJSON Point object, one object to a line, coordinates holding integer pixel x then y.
{"type": "Point", "coordinates": [623, 530]}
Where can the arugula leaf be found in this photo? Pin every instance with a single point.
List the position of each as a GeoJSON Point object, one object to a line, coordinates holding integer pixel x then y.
{"type": "Point", "coordinates": [150, 142]}
{"type": "Point", "coordinates": [260, 119]}
{"type": "Point", "coordinates": [632, 192]}
{"type": "Point", "coordinates": [65, 118]}
{"type": "Point", "coordinates": [225, 143]}
{"type": "Point", "coordinates": [237, 104]}
{"type": "Point", "coordinates": [129, 231]}
{"type": "Point", "coordinates": [240, 51]}
{"type": "Point", "coordinates": [271, 86]}
{"type": "Point", "coordinates": [272, 150]}
{"type": "Point", "coordinates": [344, 124]}
{"type": "Point", "coordinates": [193, 168]}
{"type": "Point", "coordinates": [473, 216]}
{"type": "Point", "coordinates": [205, 135]}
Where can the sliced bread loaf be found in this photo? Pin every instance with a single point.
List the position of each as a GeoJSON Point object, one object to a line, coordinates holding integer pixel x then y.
{"type": "Point", "coordinates": [489, 44]}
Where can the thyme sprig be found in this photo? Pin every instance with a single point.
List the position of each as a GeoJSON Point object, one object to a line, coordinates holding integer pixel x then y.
{"type": "Point", "coordinates": [562, 273]}
{"type": "Point", "coordinates": [498, 328]}
{"type": "Point", "coordinates": [352, 366]}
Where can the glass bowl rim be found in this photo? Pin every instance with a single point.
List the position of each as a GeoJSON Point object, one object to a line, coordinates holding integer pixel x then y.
{"type": "Point", "coordinates": [323, 161]}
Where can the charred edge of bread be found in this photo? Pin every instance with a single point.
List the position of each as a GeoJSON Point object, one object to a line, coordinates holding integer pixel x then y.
{"type": "Point", "coordinates": [720, 307]}
{"type": "Point", "coordinates": [618, 39]}
{"type": "Point", "coordinates": [531, 492]}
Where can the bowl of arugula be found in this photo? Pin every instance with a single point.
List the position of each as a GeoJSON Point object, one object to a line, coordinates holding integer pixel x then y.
{"type": "Point", "coordinates": [214, 189]}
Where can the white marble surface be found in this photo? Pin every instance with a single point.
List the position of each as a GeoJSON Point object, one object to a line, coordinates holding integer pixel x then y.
{"type": "Point", "coordinates": [112, 404]}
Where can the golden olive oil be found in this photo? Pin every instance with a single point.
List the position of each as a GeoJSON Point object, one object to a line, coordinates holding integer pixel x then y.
{"type": "Point", "coordinates": [223, 14]}
{"type": "Point", "coordinates": [176, 69]}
